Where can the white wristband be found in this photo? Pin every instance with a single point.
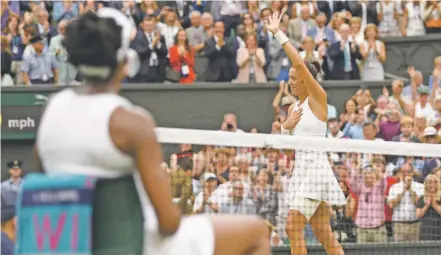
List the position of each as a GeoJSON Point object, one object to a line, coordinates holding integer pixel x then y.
{"type": "Point", "coordinates": [281, 37]}
{"type": "Point", "coordinates": [284, 131]}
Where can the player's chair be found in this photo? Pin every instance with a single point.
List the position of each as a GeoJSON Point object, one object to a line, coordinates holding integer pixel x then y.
{"type": "Point", "coordinates": [72, 214]}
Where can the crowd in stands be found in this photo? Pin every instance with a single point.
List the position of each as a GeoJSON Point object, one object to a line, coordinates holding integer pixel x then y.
{"type": "Point", "coordinates": [217, 41]}
{"type": "Point", "coordinates": [390, 198]}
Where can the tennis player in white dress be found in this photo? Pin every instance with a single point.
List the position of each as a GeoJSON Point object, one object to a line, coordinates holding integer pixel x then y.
{"type": "Point", "coordinates": [91, 130]}
{"type": "Point", "coordinates": [313, 186]}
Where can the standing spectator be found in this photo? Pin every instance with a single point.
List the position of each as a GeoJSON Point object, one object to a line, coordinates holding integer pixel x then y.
{"type": "Point", "coordinates": [39, 67]}
{"type": "Point", "coordinates": [16, 41]}
{"type": "Point", "coordinates": [238, 202]}
{"type": "Point", "coordinates": [67, 72]}
{"type": "Point", "coordinates": [221, 56]}
{"type": "Point", "coordinates": [413, 22]}
{"type": "Point", "coordinates": [331, 7]}
{"type": "Point", "coordinates": [130, 9]}
{"type": "Point", "coordinates": [429, 210]}
{"type": "Point", "coordinates": [64, 10]}
{"type": "Point", "coordinates": [250, 61]}
{"type": "Point", "coordinates": [321, 32]}
{"type": "Point", "coordinates": [265, 37]}
{"type": "Point", "coordinates": [364, 9]}
{"type": "Point", "coordinates": [278, 67]}
{"type": "Point", "coordinates": [388, 18]}
{"type": "Point", "coordinates": [230, 14]}
{"type": "Point", "coordinates": [370, 209]}
{"type": "Point", "coordinates": [265, 197]}
{"type": "Point", "coordinates": [15, 172]}
{"type": "Point", "coordinates": [182, 58]}
{"type": "Point", "coordinates": [432, 16]}
{"type": "Point", "coordinates": [298, 28]}
{"type": "Point", "coordinates": [6, 63]}
{"type": "Point", "coordinates": [181, 10]}
{"type": "Point", "coordinates": [44, 28]}
{"type": "Point", "coordinates": [344, 53]}
{"type": "Point", "coordinates": [194, 31]}
{"type": "Point", "coordinates": [248, 23]}
{"type": "Point", "coordinates": [7, 11]}
{"type": "Point", "coordinates": [357, 34]}
{"type": "Point", "coordinates": [309, 54]}
{"type": "Point", "coordinates": [201, 30]}
{"type": "Point", "coordinates": [373, 52]}
{"type": "Point", "coordinates": [403, 198]}
{"type": "Point", "coordinates": [239, 39]}
{"type": "Point", "coordinates": [253, 9]}
{"type": "Point", "coordinates": [152, 51]}
{"type": "Point", "coordinates": [168, 29]}
{"type": "Point", "coordinates": [150, 8]}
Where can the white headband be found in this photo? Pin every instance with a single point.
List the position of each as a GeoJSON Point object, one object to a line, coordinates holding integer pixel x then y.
{"type": "Point", "coordinates": [124, 53]}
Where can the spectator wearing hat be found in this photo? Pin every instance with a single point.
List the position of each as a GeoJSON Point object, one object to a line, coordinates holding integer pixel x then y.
{"type": "Point", "coordinates": [204, 203]}
{"type": "Point", "coordinates": [15, 172]}
{"type": "Point", "coordinates": [423, 107]}
{"type": "Point", "coordinates": [9, 198]}
{"type": "Point", "coordinates": [39, 67]}
{"type": "Point", "coordinates": [430, 136]}
{"type": "Point", "coordinates": [67, 72]}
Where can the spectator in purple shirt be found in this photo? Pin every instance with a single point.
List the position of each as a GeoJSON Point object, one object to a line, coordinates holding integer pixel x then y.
{"type": "Point", "coordinates": [391, 127]}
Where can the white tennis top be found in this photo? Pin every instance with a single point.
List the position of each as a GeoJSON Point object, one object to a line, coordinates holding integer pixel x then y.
{"type": "Point", "coordinates": [74, 138]}
{"type": "Point", "coordinates": [312, 175]}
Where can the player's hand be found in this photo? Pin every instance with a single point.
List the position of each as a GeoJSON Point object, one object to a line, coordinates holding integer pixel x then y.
{"type": "Point", "coordinates": [273, 22]}
{"type": "Point", "coordinates": [293, 119]}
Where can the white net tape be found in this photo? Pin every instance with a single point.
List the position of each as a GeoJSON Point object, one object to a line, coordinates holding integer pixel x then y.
{"type": "Point", "coordinates": [204, 137]}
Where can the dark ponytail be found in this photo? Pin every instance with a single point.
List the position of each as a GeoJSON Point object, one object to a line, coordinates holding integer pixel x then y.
{"type": "Point", "coordinates": [313, 67]}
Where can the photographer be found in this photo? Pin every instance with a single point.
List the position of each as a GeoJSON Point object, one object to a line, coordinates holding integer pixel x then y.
{"type": "Point", "coordinates": [229, 123]}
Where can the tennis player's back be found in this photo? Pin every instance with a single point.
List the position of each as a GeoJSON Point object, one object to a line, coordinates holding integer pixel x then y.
{"type": "Point", "coordinates": [73, 135]}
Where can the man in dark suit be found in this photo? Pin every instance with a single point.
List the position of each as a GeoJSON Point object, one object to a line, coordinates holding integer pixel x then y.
{"type": "Point", "coordinates": [344, 54]}
{"type": "Point", "coordinates": [152, 51]}
{"type": "Point", "coordinates": [330, 7]}
{"type": "Point", "coordinates": [221, 54]}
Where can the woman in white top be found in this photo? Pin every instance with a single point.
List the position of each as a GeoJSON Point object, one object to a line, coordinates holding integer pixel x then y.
{"type": "Point", "coordinates": [313, 185]}
{"type": "Point", "coordinates": [373, 52]}
{"type": "Point", "coordinates": [413, 21]}
{"type": "Point", "coordinates": [93, 131]}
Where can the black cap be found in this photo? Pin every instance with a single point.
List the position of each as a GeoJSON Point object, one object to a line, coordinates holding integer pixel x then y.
{"type": "Point", "coordinates": [9, 198]}
{"type": "Point", "coordinates": [36, 38]}
{"type": "Point", "coordinates": [15, 163]}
